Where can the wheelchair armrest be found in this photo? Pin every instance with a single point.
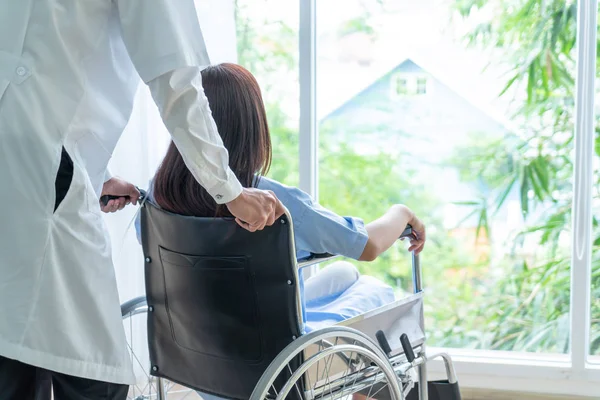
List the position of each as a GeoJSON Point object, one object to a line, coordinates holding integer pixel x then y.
{"type": "Point", "coordinates": [315, 259]}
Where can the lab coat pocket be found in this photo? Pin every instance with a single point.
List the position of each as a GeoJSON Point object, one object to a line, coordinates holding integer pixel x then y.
{"type": "Point", "coordinates": [74, 193]}
{"type": "Point", "coordinates": [64, 178]}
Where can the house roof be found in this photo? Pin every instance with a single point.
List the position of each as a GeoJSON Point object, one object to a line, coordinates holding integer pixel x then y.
{"type": "Point", "coordinates": [339, 83]}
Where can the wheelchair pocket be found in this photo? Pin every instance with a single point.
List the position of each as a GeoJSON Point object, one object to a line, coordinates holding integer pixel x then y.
{"type": "Point", "coordinates": [211, 305]}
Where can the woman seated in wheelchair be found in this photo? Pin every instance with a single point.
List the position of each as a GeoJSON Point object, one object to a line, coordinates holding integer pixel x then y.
{"type": "Point", "coordinates": [338, 291]}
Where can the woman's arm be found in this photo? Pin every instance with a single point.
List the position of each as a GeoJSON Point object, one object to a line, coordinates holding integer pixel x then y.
{"type": "Point", "coordinates": [319, 230]}
{"type": "Point", "coordinates": [384, 231]}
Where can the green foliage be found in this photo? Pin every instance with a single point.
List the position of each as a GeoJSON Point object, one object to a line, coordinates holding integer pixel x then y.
{"type": "Point", "coordinates": [365, 186]}
{"type": "Point", "coordinates": [265, 48]}
{"type": "Point", "coordinates": [284, 141]}
{"type": "Point", "coordinates": [357, 25]}
{"type": "Point", "coordinates": [537, 40]}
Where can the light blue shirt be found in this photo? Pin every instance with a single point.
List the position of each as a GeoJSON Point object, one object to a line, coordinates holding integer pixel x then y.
{"type": "Point", "coordinates": [316, 229]}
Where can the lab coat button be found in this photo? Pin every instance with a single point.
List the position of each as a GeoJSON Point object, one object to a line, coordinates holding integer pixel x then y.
{"type": "Point", "coordinates": [219, 197]}
{"type": "Point", "coordinates": [21, 71]}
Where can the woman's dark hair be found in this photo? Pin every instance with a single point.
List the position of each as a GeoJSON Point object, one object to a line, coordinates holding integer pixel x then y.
{"type": "Point", "coordinates": [237, 108]}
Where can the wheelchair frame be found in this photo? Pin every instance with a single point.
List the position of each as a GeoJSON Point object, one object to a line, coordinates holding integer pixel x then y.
{"type": "Point", "coordinates": [394, 366]}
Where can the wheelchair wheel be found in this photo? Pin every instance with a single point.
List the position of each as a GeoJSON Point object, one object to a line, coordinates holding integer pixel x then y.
{"type": "Point", "coordinates": [331, 363]}
{"type": "Point", "coordinates": [147, 387]}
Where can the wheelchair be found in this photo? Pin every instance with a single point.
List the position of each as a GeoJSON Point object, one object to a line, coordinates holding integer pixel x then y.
{"type": "Point", "coordinates": [223, 315]}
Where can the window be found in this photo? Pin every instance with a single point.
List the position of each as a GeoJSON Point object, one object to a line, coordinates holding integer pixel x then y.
{"type": "Point", "coordinates": [400, 86]}
{"type": "Point", "coordinates": [404, 84]}
{"type": "Point", "coordinates": [421, 85]}
{"type": "Point", "coordinates": [267, 45]}
{"type": "Point", "coordinates": [492, 175]}
{"type": "Point", "coordinates": [450, 160]}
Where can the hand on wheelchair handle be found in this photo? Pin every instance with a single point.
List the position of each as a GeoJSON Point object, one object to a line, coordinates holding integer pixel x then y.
{"type": "Point", "coordinates": [254, 209]}
{"type": "Point", "coordinates": [415, 231]}
{"type": "Point", "coordinates": [107, 197]}
{"type": "Point", "coordinates": [116, 194]}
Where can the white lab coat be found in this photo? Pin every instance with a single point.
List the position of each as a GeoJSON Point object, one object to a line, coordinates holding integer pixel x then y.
{"type": "Point", "coordinates": [68, 74]}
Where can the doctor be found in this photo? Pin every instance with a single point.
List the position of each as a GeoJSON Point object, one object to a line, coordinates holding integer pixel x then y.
{"type": "Point", "coordinates": [69, 70]}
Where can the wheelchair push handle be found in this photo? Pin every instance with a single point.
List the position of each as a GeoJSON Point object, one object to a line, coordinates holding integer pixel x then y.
{"type": "Point", "coordinates": [108, 197]}
{"type": "Point", "coordinates": [408, 233]}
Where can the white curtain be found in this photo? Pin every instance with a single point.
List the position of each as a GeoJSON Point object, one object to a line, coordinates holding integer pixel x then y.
{"type": "Point", "coordinates": [145, 141]}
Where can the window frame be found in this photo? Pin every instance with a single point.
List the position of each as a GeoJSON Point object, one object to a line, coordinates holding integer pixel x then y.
{"type": "Point", "coordinates": [568, 374]}
{"type": "Point", "coordinates": [411, 83]}
{"type": "Point", "coordinates": [396, 79]}
{"type": "Point", "coordinates": [425, 85]}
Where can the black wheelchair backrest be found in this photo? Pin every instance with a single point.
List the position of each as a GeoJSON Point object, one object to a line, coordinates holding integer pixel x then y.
{"type": "Point", "coordinates": [223, 302]}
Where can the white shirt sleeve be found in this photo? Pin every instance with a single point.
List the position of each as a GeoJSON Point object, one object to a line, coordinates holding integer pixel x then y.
{"type": "Point", "coordinates": [165, 43]}
{"type": "Point", "coordinates": [185, 111]}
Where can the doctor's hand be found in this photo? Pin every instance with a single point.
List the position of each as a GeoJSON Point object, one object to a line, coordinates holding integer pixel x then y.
{"type": "Point", "coordinates": [254, 209]}
{"type": "Point", "coordinates": [126, 192]}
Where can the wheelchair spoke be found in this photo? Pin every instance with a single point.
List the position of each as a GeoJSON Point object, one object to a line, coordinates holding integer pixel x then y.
{"type": "Point", "coordinates": [319, 378]}
{"type": "Point", "coordinates": [187, 394]}
{"type": "Point", "coordinates": [301, 396]}
{"type": "Point", "coordinates": [147, 389]}
{"type": "Point", "coordinates": [379, 390]}
{"type": "Point", "coordinates": [318, 351]}
{"type": "Point", "coordinates": [356, 375]}
{"type": "Point", "coordinates": [372, 385]}
{"type": "Point", "coordinates": [312, 389]}
{"type": "Point", "coordinates": [346, 375]}
{"type": "Point", "coordinates": [328, 367]}
{"type": "Point", "coordinates": [143, 391]}
{"type": "Point", "coordinates": [140, 364]}
{"type": "Point", "coordinates": [275, 390]}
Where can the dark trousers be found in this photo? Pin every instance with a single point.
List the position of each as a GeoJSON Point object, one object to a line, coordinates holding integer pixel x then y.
{"type": "Point", "coordinates": [20, 381]}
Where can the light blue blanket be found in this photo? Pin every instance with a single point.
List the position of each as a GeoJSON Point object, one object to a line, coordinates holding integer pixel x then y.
{"type": "Point", "coordinates": [366, 294]}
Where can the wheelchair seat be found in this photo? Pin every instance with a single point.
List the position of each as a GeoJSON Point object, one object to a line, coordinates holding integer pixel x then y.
{"type": "Point", "coordinates": [222, 302]}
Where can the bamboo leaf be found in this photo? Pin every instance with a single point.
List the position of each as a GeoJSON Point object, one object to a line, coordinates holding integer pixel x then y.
{"type": "Point", "coordinates": [540, 167]}
{"type": "Point", "coordinates": [546, 71]}
{"type": "Point", "coordinates": [510, 83]}
{"type": "Point", "coordinates": [531, 83]}
{"type": "Point", "coordinates": [508, 188]}
{"type": "Point", "coordinates": [525, 186]}
{"type": "Point", "coordinates": [557, 26]}
{"type": "Point", "coordinates": [466, 203]}
{"type": "Point", "coordinates": [483, 223]}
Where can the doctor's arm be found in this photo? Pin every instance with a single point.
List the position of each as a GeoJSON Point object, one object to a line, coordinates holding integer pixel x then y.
{"type": "Point", "coordinates": [185, 111]}
{"type": "Point", "coordinates": [165, 43]}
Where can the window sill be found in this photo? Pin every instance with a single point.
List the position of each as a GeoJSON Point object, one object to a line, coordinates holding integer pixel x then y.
{"type": "Point", "coordinates": [520, 372]}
